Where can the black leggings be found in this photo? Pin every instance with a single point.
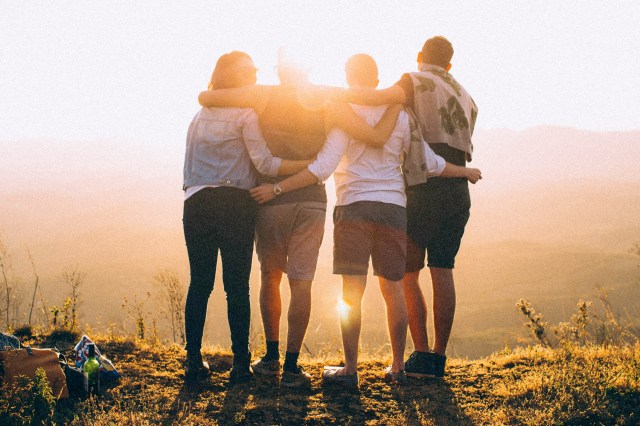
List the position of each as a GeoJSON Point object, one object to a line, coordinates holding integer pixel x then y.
{"type": "Point", "coordinates": [219, 219]}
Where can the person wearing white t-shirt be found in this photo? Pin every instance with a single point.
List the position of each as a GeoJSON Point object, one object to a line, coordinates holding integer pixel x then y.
{"type": "Point", "coordinates": [369, 221]}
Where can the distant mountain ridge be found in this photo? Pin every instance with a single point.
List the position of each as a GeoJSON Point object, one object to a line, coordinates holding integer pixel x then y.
{"type": "Point", "coordinates": [552, 198]}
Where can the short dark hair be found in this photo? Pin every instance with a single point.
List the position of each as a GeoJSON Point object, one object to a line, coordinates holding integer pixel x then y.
{"type": "Point", "coordinates": [437, 51]}
{"type": "Point", "coordinates": [361, 69]}
{"type": "Point", "coordinates": [223, 77]}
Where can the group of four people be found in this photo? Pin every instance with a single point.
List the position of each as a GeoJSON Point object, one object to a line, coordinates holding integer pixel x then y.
{"type": "Point", "coordinates": [249, 134]}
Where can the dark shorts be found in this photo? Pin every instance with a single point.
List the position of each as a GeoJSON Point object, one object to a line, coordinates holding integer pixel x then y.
{"type": "Point", "coordinates": [437, 213]}
{"type": "Point", "coordinates": [370, 229]}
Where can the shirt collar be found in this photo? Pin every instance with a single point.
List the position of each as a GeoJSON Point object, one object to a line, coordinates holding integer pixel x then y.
{"type": "Point", "coordinates": [426, 67]}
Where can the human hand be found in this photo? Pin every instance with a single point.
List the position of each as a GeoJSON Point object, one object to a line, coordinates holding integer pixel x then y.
{"type": "Point", "coordinates": [263, 193]}
{"type": "Point", "coordinates": [473, 175]}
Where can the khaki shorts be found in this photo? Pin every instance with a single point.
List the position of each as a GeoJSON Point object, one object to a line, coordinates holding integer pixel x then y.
{"type": "Point", "coordinates": [288, 238]}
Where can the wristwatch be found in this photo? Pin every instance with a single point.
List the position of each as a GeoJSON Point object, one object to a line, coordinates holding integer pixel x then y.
{"type": "Point", "coordinates": [276, 189]}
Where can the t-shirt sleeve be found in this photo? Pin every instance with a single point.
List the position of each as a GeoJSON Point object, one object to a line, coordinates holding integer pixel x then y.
{"type": "Point", "coordinates": [330, 155]}
{"type": "Point", "coordinates": [406, 84]}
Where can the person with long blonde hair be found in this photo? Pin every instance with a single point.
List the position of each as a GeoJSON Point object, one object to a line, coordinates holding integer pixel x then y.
{"type": "Point", "coordinates": [225, 151]}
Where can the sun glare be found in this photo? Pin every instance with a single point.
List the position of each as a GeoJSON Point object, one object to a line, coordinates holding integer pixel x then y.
{"type": "Point", "coordinates": [343, 308]}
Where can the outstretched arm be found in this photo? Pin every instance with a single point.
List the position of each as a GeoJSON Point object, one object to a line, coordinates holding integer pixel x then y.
{"type": "Point", "coordinates": [253, 96]}
{"type": "Point", "coordinates": [391, 95]}
{"type": "Point", "coordinates": [341, 115]}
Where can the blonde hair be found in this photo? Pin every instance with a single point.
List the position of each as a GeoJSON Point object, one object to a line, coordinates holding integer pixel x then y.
{"type": "Point", "coordinates": [223, 76]}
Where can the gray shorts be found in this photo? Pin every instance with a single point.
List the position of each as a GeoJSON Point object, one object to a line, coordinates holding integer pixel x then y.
{"type": "Point", "coordinates": [370, 229]}
{"type": "Point", "coordinates": [288, 238]}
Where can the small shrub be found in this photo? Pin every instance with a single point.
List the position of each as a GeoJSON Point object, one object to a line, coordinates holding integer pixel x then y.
{"type": "Point", "coordinates": [27, 401]}
{"type": "Point", "coordinates": [173, 297]}
{"type": "Point", "coordinates": [24, 331]}
{"type": "Point", "coordinates": [62, 339]}
{"type": "Point", "coordinates": [136, 310]}
{"type": "Point", "coordinates": [535, 323]}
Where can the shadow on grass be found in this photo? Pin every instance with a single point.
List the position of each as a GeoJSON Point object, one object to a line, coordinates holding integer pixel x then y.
{"type": "Point", "coordinates": [272, 404]}
{"type": "Point", "coordinates": [345, 406]}
{"type": "Point", "coordinates": [261, 402]}
{"type": "Point", "coordinates": [430, 401]}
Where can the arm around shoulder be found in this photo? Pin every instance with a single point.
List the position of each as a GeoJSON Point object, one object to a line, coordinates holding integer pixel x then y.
{"type": "Point", "coordinates": [391, 95]}
{"type": "Point", "coordinates": [341, 115]}
{"type": "Point", "coordinates": [253, 96]}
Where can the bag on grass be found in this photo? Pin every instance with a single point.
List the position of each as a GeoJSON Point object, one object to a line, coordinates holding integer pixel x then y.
{"type": "Point", "coordinates": [108, 372]}
{"type": "Point", "coordinates": [25, 362]}
{"type": "Point", "coordinates": [9, 341]}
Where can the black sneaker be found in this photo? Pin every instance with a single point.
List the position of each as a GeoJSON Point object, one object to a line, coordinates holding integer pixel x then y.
{"type": "Point", "coordinates": [438, 362]}
{"type": "Point", "coordinates": [299, 379]}
{"type": "Point", "coordinates": [425, 365]}
{"type": "Point", "coordinates": [196, 369]}
{"type": "Point", "coordinates": [240, 374]}
{"type": "Point", "coordinates": [241, 371]}
{"type": "Point", "coordinates": [266, 368]}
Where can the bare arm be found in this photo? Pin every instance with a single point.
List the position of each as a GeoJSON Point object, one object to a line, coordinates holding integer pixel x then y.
{"type": "Point", "coordinates": [318, 171]}
{"type": "Point", "coordinates": [264, 192]}
{"type": "Point", "coordinates": [253, 96]}
{"type": "Point", "coordinates": [451, 170]}
{"type": "Point", "coordinates": [259, 152]}
{"type": "Point", "coordinates": [341, 115]}
{"type": "Point", "coordinates": [391, 95]}
{"type": "Point", "coordinates": [289, 167]}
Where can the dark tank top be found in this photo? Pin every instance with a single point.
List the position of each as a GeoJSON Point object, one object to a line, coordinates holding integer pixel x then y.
{"type": "Point", "coordinates": [293, 132]}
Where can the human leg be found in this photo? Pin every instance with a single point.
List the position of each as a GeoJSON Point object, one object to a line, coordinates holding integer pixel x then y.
{"type": "Point", "coordinates": [271, 246]}
{"type": "Point", "coordinates": [202, 249]}
{"type": "Point", "coordinates": [392, 292]}
{"type": "Point", "coordinates": [351, 319]}
{"type": "Point", "coordinates": [444, 307]}
{"type": "Point", "coordinates": [416, 310]}
{"type": "Point", "coordinates": [298, 318]}
{"type": "Point", "coordinates": [298, 314]}
{"type": "Point", "coordinates": [350, 322]}
{"type": "Point", "coordinates": [270, 304]}
{"type": "Point", "coordinates": [303, 247]}
{"type": "Point", "coordinates": [236, 249]}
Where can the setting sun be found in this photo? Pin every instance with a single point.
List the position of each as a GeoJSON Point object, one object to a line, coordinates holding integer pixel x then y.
{"type": "Point", "coordinates": [154, 157]}
{"type": "Point", "coordinates": [343, 308]}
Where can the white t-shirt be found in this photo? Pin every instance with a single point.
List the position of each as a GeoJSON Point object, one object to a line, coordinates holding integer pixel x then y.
{"type": "Point", "coordinates": [364, 172]}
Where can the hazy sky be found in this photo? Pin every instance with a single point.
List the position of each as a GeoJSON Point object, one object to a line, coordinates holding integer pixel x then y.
{"type": "Point", "coordinates": [132, 70]}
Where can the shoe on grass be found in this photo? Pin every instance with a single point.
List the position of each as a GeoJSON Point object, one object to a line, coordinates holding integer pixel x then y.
{"type": "Point", "coordinates": [196, 369]}
{"type": "Point", "coordinates": [266, 368]}
{"type": "Point", "coordinates": [398, 378]}
{"type": "Point", "coordinates": [301, 379]}
{"type": "Point", "coordinates": [331, 377]}
{"type": "Point", "coordinates": [439, 362]}
{"type": "Point", "coordinates": [425, 365]}
{"type": "Point", "coordinates": [240, 374]}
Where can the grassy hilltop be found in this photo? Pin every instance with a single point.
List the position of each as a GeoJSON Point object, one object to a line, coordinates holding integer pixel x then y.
{"type": "Point", "coordinates": [536, 386]}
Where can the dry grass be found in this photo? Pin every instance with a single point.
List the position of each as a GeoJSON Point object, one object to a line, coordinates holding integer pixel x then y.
{"type": "Point", "coordinates": [536, 386]}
